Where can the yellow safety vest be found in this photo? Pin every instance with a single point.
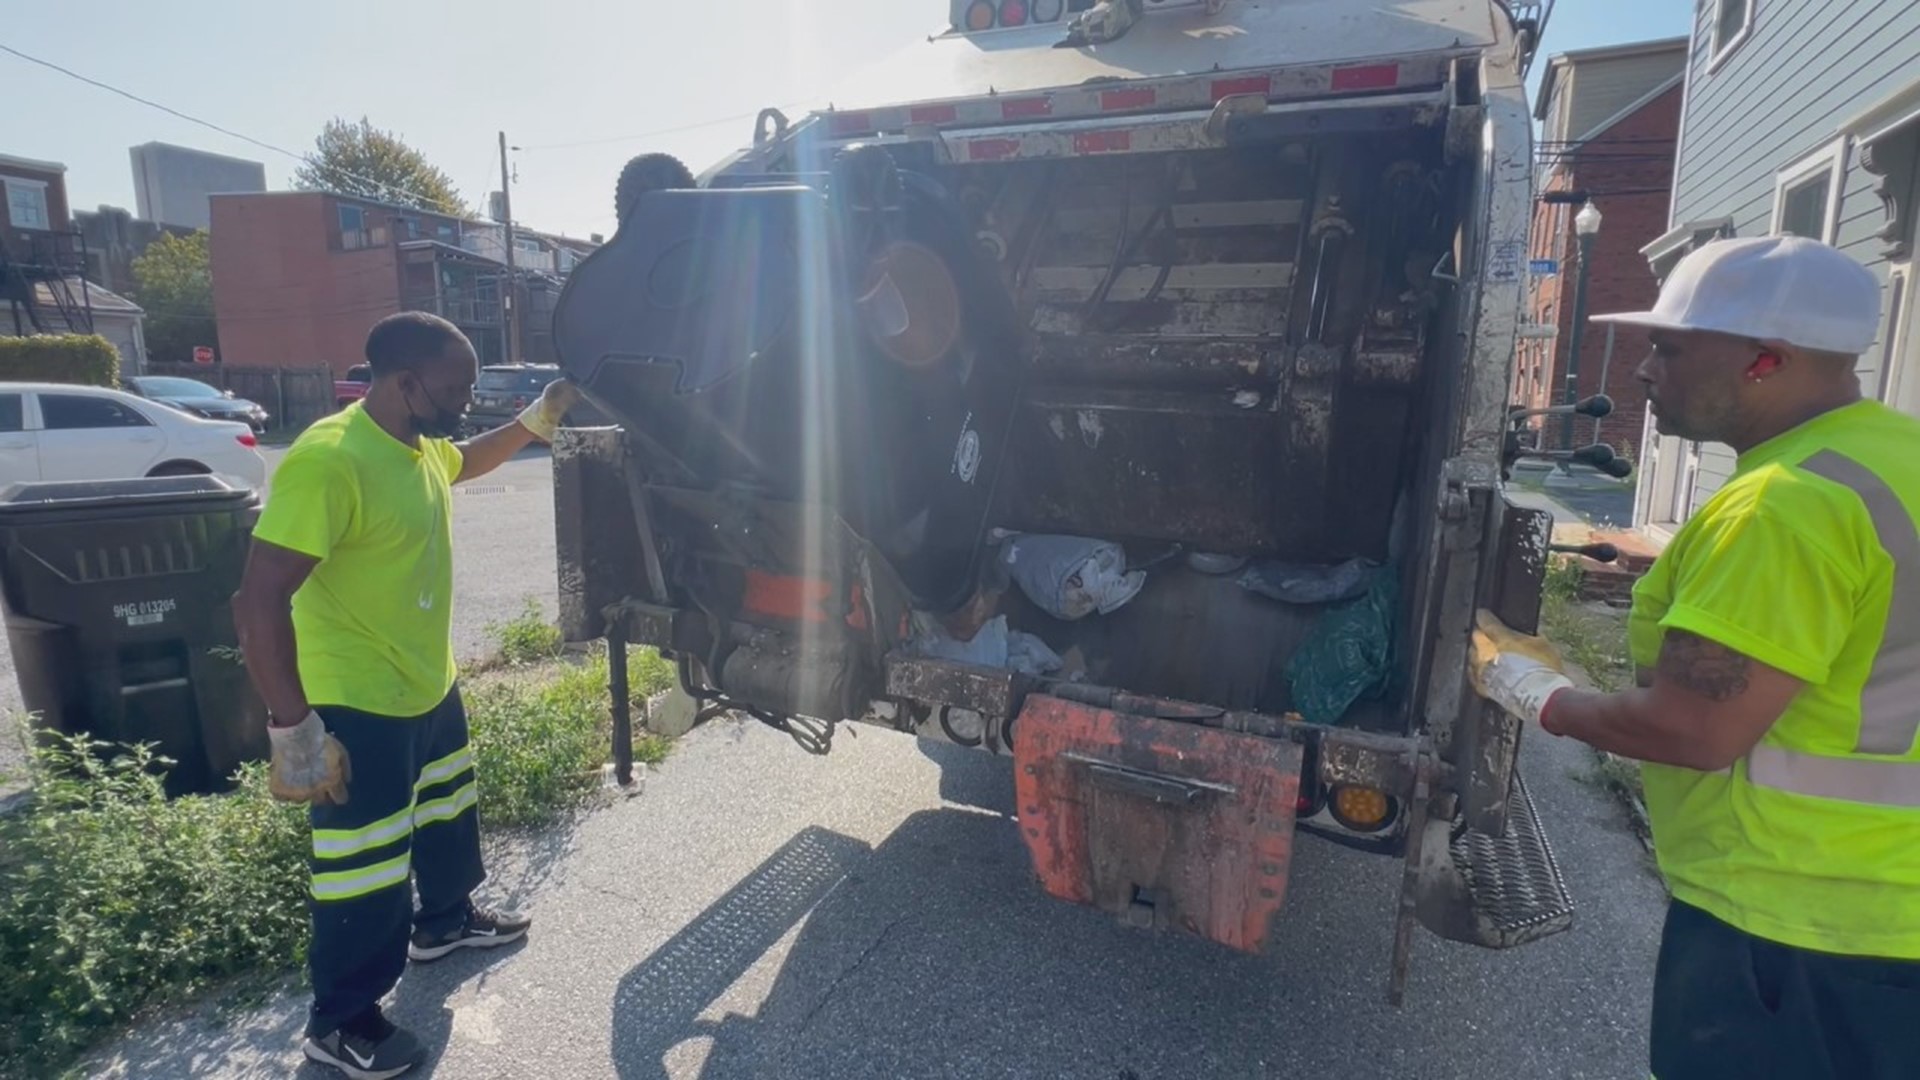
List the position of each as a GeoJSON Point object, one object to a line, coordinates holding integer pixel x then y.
{"type": "Point", "coordinates": [1807, 560]}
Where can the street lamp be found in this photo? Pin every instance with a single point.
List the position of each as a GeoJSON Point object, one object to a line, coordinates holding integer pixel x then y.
{"type": "Point", "coordinates": [1586, 226]}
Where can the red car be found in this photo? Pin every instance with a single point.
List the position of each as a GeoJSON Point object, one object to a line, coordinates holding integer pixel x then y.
{"type": "Point", "coordinates": [352, 388]}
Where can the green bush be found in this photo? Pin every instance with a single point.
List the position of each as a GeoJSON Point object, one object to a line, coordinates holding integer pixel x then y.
{"type": "Point", "coordinates": [86, 359]}
{"type": "Point", "coordinates": [112, 897]}
{"type": "Point", "coordinates": [527, 638]}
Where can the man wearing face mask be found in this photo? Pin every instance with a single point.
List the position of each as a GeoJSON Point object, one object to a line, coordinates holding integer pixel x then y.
{"type": "Point", "coordinates": [344, 614]}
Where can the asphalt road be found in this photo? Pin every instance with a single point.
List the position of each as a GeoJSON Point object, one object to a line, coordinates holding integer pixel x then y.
{"type": "Point", "coordinates": [503, 558]}
{"type": "Point", "coordinates": [758, 912]}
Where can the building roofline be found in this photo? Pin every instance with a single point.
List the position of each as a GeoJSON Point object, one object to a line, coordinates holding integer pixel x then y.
{"type": "Point", "coordinates": [197, 153]}
{"type": "Point", "coordinates": [1614, 52]}
{"type": "Point", "coordinates": [31, 163]}
{"type": "Point", "coordinates": [1573, 57]}
{"type": "Point", "coordinates": [349, 196]}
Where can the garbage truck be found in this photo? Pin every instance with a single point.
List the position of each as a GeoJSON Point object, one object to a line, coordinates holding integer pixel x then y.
{"type": "Point", "coordinates": [1120, 389]}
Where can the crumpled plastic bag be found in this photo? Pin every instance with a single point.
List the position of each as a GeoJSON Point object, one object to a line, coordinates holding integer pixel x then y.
{"type": "Point", "coordinates": [1308, 583]}
{"type": "Point", "coordinates": [993, 646]}
{"type": "Point", "coordinates": [1071, 577]}
{"type": "Point", "coordinates": [1348, 655]}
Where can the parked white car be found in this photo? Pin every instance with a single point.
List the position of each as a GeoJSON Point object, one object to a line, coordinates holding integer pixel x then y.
{"type": "Point", "coordinates": [52, 431]}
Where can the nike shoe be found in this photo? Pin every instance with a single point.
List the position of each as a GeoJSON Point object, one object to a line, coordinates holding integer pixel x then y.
{"type": "Point", "coordinates": [367, 1048]}
{"type": "Point", "coordinates": [483, 930]}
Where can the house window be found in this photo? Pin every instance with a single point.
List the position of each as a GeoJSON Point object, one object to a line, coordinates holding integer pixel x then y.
{"type": "Point", "coordinates": [27, 203]}
{"type": "Point", "coordinates": [1732, 22]}
{"type": "Point", "coordinates": [1806, 197]}
{"type": "Point", "coordinates": [353, 227]}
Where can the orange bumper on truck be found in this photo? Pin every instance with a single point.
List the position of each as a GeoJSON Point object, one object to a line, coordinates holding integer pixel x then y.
{"type": "Point", "coordinates": [1164, 823]}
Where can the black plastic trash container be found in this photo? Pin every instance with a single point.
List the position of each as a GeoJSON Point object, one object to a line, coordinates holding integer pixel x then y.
{"type": "Point", "coordinates": [117, 605]}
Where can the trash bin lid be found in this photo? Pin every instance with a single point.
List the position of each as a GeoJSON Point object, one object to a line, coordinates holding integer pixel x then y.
{"type": "Point", "coordinates": [43, 501]}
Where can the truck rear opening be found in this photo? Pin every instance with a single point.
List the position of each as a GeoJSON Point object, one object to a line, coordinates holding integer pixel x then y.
{"type": "Point", "coordinates": [1213, 325]}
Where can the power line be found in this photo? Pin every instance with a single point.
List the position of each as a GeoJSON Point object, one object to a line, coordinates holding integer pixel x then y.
{"type": "Point", "coordinates": [307, 159]}
{"type": "Point", "coordinates": [656, 132]}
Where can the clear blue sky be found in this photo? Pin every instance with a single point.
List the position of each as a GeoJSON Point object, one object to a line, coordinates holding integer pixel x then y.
{"type": "Point", "coordinates": [448, 75]}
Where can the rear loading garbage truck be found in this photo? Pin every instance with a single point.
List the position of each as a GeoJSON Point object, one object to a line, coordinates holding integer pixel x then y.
{"type": "Point", "coordinates": [1120, 389]}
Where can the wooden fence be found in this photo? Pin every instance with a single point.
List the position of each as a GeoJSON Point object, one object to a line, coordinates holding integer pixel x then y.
{"type": "Point", "coordinates": [295, 397]}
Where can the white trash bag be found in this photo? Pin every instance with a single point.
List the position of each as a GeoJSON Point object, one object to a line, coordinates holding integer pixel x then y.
{"type": "Point", "coordinates": [1071, 577]}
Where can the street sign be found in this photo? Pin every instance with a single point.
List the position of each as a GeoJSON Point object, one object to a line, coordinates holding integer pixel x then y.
{"type": "Point", "coordinates": [1543, 267]}
{"type": "Point", "coordinates": [202, 354]}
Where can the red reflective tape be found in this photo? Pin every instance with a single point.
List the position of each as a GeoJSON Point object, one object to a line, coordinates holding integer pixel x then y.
{"type": "Point", "coordinates": [1102, 142]}
{"type": "Point", "coordinates": [1367, 77]}
{"type": "Point", "coordinates": [993, 149]}
{"type": "Point", "coordinates": [851, 123]}
{"type": "Point", "coordinates": [1136, 98]}
{"type": "Point", "coordinates": [1021, 108]}
{"type": "Point", "coordinates": [933, 114]}
{"type": "Point", "coordinates": [1252, 84]}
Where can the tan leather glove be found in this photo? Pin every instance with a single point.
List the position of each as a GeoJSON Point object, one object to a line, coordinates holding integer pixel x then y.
{"type": "Point", "coordinates": [1516, 671]}
{"type": "Point", "coordinates": [309, 765]}
{"type": "Point", "coordinates": [545, 415]}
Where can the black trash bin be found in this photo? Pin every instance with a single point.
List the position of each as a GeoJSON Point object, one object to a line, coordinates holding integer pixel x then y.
{"type": "Point", "coordinates": [117, 603]}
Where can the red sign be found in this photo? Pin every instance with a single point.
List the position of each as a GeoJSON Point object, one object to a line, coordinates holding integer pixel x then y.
{"type": "Point", "coordinates": [202, 354]}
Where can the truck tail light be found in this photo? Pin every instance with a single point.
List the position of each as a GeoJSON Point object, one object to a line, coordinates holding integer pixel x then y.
{"type": "Point", "coordinates": [1362, 809]}
{"type": "Point", "coordinates": [1048, 10]}
{"type": "Point", "coordinates": [1013, 12]}
{"type": "Point", "coordinates": [247, 440]}
{"type": "Point", "coordinates": [980, 15]}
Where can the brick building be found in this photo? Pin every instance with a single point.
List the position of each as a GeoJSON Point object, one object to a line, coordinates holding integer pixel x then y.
{"type": "Point", "coordinates": [300, 276]}
{"type": "Point", "coordinates": [45, 266]}
{"type": "Point", "coordinates": [1609, 121]}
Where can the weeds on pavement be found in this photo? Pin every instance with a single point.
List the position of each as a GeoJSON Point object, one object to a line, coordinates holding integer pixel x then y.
{"type": "Point", "coordinates": [114, 898]}
{"type": "Point", "coordinates": [1594, 637]}
{"type": "Point", "coordinates": [538, 743]}
{"type": "Point", "coordinates": [527, 638]}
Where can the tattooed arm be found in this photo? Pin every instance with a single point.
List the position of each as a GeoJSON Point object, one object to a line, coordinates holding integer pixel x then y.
{"type": "Point", "coordinates": [1704, 707]}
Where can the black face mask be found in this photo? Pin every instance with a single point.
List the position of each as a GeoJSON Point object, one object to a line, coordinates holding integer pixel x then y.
{"type": "Point", "coordinates": [441, 423]}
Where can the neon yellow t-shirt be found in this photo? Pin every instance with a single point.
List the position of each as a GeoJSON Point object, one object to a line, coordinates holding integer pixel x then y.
{"type": "Point", "coordinates": [373, 624]}
{"type": "Point", "coordinates": [1785, 565]}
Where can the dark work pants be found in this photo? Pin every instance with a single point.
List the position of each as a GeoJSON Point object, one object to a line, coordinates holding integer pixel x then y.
{"type": "Point", "coordinates": [409, 812]}
{"type": "Point", "coordinates": [1731, 1006]}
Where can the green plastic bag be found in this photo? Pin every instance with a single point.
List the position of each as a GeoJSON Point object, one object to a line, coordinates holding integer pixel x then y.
{"type": "Point", "coordinates": [1349, 654]}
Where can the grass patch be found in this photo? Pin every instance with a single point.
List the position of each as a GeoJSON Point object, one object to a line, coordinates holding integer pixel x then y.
{"type": "Point", "coordinates": [527, 638]}
{"type": "Point", "coordinates": [114, 899]}
{"type": "Point", "coordinates": [1594, 636]}
{"type": "Point", "coordinates": [540, 738]}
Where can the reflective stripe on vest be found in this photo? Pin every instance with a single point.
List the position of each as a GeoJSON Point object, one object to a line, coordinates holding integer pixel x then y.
{"type": "Point", "coordinates": [1890, 700]}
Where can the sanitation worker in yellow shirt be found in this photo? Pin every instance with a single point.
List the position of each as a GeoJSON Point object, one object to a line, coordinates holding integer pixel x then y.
{"type": "Point", "coordinates": [1777, 642]}
{"type": "Point", "coordinates": [345, 615]}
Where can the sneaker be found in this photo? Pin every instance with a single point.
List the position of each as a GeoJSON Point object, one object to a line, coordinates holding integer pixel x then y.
{"type": "Point", "coordinates": [483, 930]}
{"type": "Point", "coordinates": [369, 1048]}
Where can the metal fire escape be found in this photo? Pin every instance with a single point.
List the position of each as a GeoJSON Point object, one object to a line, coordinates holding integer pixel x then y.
{"type": "Point", "coordinates": [43, 281]}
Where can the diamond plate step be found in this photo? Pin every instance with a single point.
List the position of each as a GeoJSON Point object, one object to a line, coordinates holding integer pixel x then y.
{"type": "Point", "coordinates": [1513, 883]}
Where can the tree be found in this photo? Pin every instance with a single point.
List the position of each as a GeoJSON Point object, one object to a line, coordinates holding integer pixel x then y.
{"type": "Point", "coordinates": [173, 282]}
{"type": "Point", "coordinates": [360, 159]}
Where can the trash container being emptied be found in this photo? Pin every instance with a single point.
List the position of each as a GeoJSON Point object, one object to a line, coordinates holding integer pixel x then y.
{"type": "Point", "coordinates": [117, 603]}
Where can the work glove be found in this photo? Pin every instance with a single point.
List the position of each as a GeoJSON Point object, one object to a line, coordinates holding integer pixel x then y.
{"type": "Point", "coordinates": [309, 765]}
{"type": "Point", "coordinates": [545, 416]}
{"type": "Point", "coordinates": [1518, 672]}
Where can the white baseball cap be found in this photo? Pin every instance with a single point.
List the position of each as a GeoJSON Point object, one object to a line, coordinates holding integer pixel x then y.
{"type": "Point", "coordinates": [1769, 288]}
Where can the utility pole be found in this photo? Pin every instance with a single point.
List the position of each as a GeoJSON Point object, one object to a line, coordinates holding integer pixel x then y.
{"type": "Point", "coordinates": [510, 316]}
